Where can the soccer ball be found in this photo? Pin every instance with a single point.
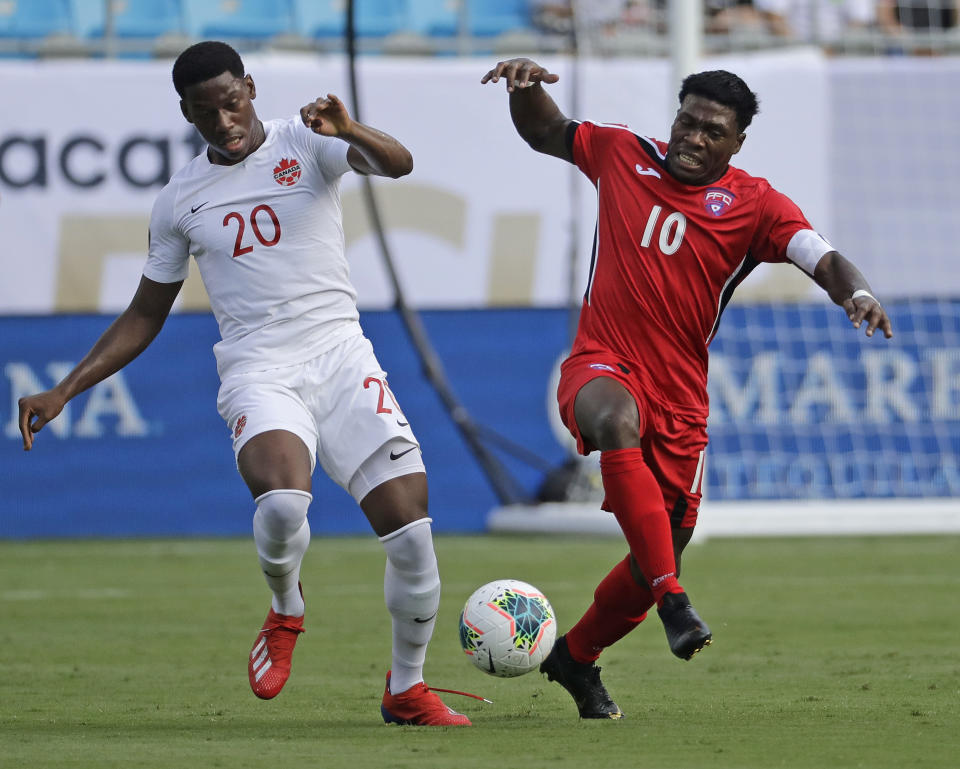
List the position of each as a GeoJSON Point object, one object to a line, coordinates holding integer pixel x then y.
{"type": "Point", "coordinates": [507, 628]}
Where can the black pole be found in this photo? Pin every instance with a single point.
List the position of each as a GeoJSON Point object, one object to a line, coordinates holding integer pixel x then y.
{"type": "Point", "coordinates": [506, 487]}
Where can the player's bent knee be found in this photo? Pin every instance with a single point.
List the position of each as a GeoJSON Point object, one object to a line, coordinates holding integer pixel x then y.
{"type": "Point", "coordinates": [410, 548]}
{"type": "Point", "coordinates": [281, 513]}
{"type": "Point", "coordinates": [412, 580]}
{"type": "Point", "coordinates": [409, 527]}
{"type": "Point", "coordinates": [408, 594]}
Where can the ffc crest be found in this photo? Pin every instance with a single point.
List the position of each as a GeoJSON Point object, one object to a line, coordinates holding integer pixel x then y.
{"type": "Point", "coordinates": [287, 172]}
{"type": "Point", "coordinates": [717, 200]}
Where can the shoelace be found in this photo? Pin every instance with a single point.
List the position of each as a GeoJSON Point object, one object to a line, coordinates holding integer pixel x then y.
{"type": "Point", "coordinates": [280, 626]}
{"type": "Point", "coordinates": [297, 630]}
{"type": "Point", "coordinates": [462, 694]}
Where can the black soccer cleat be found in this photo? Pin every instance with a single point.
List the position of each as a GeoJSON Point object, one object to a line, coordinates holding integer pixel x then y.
{"type": "Point", "coordinates": [582, 680]}
{"type": "Point", "coordinates": [686, 632]}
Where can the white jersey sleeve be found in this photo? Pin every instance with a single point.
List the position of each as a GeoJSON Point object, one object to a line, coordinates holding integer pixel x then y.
{"type": "Point", "coordinates": [168, 259]}
{"type": "Point", "coordinates": [330, 153]}
{"type": "Point", "coordinates": [267, 237]}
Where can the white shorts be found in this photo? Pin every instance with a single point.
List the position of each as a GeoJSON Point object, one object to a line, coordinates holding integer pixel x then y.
{"type": "Point", "coordinates": [339, 405]}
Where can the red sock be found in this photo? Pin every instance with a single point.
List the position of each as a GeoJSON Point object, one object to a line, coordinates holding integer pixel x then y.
{"type": "Point", "coordinates": [634, 496]}
{"type": "Point", "coordinates": [619, 605]}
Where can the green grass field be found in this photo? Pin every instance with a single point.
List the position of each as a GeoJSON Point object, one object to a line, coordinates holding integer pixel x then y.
{"type": "Point", "coordinates": [827, 653]}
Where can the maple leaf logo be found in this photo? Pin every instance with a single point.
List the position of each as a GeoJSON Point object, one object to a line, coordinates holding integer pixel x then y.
{"type": "Point", "coordinates": [241, 423]}
{"type": "Point", "coordinates": [287, 172]}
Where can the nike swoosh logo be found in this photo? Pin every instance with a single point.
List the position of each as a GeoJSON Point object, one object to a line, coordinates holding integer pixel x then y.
{"type": "Point", "coordinates": [643, 171]}
{"type": "Point", "coordinates": [397, 455]}
{"type": "Point", "coordinates": [402, 424]}
{"type": "Point", "coordinates": [194, 209]}
{"type": "Point", "coordinates": [421, 621]}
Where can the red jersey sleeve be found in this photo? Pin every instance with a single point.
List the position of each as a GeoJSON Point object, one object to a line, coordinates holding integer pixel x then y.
{"type": "Point", "coordinates": [584, 150]}
{"type": "Point", "coordinates": [779, 220]}
{"type": "Point", "coordinates": [594, 142]}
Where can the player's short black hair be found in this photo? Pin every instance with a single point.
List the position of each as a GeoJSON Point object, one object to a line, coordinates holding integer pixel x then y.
{"type": "Point", "coordinates": [724, 88]}
{"type": "Point", "coordinates": [203, 61]}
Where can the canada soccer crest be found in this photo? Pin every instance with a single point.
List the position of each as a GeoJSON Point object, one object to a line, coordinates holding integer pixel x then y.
{"type": "Point", "coordinates": [287, 172]}
{"type": "Point", "coordinates": [717, 200]}
{"type": "Point", "coordinates": [241, 423]}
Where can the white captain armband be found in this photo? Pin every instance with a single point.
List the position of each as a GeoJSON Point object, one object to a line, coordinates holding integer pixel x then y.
{"type": "Point", "coordinates": [806, 248]}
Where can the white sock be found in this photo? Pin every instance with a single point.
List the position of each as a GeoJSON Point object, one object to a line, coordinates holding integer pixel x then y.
{"type": "Point", "coordinates": [411, 587]}
{"type": "Point", "coordinates": [282, 534]}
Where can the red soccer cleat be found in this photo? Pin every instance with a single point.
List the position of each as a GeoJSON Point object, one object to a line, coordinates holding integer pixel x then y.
{"type": "Point", "coordinates": [419, 706]}
{"type": "Point", "coordinates": [269, 664]}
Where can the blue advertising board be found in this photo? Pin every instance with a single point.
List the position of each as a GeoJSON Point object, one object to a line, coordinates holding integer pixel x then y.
{"type": "Point", "coordinates": [145, 453]}
{"type": "Point", "coordinates": [805, 407]}
{"type": "Point", "coordinates": [802, 406]}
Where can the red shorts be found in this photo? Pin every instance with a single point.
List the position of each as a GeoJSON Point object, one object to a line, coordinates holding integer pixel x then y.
{"type": "Point", "coordinates": [673, 444]}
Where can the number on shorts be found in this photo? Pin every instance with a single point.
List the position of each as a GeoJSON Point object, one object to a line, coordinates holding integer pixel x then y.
{"type": "Point", "coordinates": [381, 408]}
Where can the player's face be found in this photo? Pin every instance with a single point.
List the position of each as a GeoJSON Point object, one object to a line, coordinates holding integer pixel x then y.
{"type": "Point", "coordinates": [222, 110]}
{"type": "Point", "coordinates": [703, 138]}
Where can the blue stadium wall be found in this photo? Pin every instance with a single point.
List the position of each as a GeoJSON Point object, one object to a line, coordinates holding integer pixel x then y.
{"type": "Point", "coordinates": [173, 473]}
{"type": "Point", "coordinates": [803, 407]}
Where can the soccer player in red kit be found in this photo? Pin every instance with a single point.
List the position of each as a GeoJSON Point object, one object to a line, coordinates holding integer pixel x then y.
{"type": "Point", "coordinates": [678, 229]}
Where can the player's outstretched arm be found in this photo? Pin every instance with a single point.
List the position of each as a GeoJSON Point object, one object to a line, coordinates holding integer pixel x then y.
{"type": "Point", "coordinates": [535, 115]}
{"type": "Point", "coordinates": [371, 151]}
{"type": "Point", "coordinates": [847, 287]}
{"type": "Point", "coordinates": [124, 340]}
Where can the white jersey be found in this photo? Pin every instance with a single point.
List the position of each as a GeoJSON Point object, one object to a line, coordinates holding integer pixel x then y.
{"type": "Point", "coordinates": [267, 235]}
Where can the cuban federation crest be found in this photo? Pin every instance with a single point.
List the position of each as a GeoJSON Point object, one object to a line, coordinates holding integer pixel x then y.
{"type": "Point", "coordinates": [287, 172]}
{"type": "Point", "coordinates": [717, 200]}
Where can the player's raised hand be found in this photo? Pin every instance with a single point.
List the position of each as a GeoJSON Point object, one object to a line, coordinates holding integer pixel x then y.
{"type": "Point", "coordinates": [327, 116]}
{"type": "Point", "coordinates": [866, 308]}
{"type": "Point", "coordinates": [44, 406]}
{"type": "Point", "coordinates": [519, 73]}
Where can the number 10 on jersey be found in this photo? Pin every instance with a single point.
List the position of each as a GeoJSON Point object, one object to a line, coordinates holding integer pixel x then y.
{"type": "Point", "coordinates": [671, 231]}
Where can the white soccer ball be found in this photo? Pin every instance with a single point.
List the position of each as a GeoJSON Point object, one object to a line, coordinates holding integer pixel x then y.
{"type": "Point", "coordinates": [507, 628]}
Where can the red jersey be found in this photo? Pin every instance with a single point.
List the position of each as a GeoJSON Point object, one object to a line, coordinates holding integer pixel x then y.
{"type": "Point", "coordinates": [667, 257]}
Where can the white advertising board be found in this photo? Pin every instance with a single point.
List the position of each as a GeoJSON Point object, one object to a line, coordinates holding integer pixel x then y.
{"type": "Point", "coordinates": [482, 221]}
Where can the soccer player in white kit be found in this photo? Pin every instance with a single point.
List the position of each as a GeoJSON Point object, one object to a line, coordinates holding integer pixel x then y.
{"type": "Point", "coordinates": [259, 210]}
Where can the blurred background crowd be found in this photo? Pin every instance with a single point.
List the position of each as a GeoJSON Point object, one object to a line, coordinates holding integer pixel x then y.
{"type": "Point", "coordinates": [449, 27]}
{"type": "Point", "coordinates": [838, 25]}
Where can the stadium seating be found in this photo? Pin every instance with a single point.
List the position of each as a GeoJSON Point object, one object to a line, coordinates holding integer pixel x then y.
{"type": "Point", "coordinates": [379, 18]}
{"type": "Point", "coordinates": [484, 18]}
{"type": "Point", "coordinates": [35, 18]}
{"type": "Point", "coordinates": [131, 18]}
{"type": "Point", "coordinates": [144, 27]}
{"type": "Point", "coordinates": [437, 18]}
{"type": "Point", "coordinates": [429, 18]}
{"type": "Point", "coordinates": [320, 18]}
{"type": "Point", "coordinates": [373, 18]}
{"type": "Point", "coordinates": [231, 19]}
{"type": "Point", "coordinates": [489, 18]}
